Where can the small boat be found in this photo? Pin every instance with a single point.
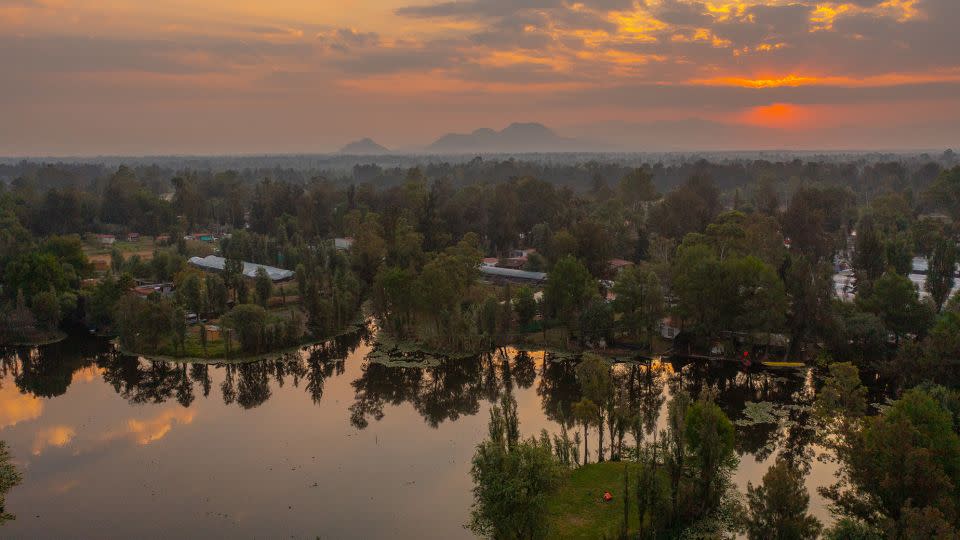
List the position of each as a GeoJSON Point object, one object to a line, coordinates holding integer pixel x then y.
{"type": "Point", "coordinates": [787, 365]}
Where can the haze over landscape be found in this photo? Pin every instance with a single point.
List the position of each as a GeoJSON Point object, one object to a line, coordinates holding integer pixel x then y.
{"type": "Point", "coordinates": [296, 76]}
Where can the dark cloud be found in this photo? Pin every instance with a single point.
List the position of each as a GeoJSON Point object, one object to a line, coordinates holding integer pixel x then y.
{"type": "Point", "coordinates": [345, 39]}
{"type": "Point", "coordinates": [501, 9]}
{"type": "Point", "coordinates": [520, 73]}
{"type": "Point", "coordinates": [401, 58]}
{"type": "Point", "coordinates": [677, 12]}
{"type": "Point", "coordinates": [782, 21]}
{"type": "Point", "coordinates": [484, 8]}
{"type": "Point", "coordinates": [60, 54]}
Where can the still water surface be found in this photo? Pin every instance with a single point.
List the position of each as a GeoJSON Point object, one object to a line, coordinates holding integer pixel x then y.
{"type": "Point", "coordinates": [324, 443]}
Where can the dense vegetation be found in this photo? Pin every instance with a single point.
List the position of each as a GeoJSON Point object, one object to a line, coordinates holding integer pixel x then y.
{"type": "Point", "coordinates": [897, 468]}
{"type": "Point", "coordinates": [741, 257]}
{"type": "Point", "coordinates": [712, 251]}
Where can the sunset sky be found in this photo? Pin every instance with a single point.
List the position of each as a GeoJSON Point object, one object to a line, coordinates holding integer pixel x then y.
{"type": "Point", "coordinates": [82, 77]}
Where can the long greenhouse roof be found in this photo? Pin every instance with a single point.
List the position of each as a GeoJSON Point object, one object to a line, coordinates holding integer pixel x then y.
{"type": "Point", "coordinates": [217, 264]}
{"type": "Point", "coordinates": [510, 273]}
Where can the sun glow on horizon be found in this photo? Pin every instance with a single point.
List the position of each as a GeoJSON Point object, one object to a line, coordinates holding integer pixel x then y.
{"type": "Point", "coordinates": [778, 116]}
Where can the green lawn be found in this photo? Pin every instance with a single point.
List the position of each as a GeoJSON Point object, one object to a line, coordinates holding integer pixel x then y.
{"type": "Point", "coordinates": [577, 509]}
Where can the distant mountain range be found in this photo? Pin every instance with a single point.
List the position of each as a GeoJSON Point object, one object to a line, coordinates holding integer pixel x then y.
{"type": "Point", "coordinates": [515, 138]}
{"type": "Point", "coordinates": [365, 146]}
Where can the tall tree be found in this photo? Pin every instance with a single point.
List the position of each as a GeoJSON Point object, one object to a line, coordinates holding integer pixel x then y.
{"type": "Point", "coordinates": [263, 287]}
{"type": "Point", "coordinates": [512, 479]}
{"type": "Point", "coordinates": [869, 259]}
{"type": "Point", "coordinates": [765, 197]}
{"type": "Point", "coordinates": [778, 507]}
{"type": "Point", "coordinates": [569, 289]}
{"type": "Point", "coordinates": [709, 437]}
{"type": "Point", "coordinates": [906, 459]}
{"type": "Point", "coordinates": [637, 187]}
{"type": "Point", "coordinates": [639, 301]}
{"type": "Point", "coordinates": [596, 384]}
{"type": "Point", "coordinates": [895, 299]}
{"type": "Point", "coordinates": [941, 271]}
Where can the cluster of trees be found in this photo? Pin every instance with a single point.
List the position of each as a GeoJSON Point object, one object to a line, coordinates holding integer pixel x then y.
{"type": "Point", "coordinates": [256, 330]}
{"type": "Point", "coordinates": [683, 472]}
{"type": "Point", "coordinates": [40, 283]}
{"type": "Point", "coordinates": [678, 480]}
{"type": "Point", "coordinates": [866, 173]}
{"type": "Point", "coordinates": [900, 469]}
{"type": "Point", "coordinates": [513, 478]}
{"type": "Point", "coordinates": [711, 251]}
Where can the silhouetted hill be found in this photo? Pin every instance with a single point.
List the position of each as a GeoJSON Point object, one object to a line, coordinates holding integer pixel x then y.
{"type": "Point", "coordinates": [364, 146]}
{"type": "Point", "coordinates": [515, 138]}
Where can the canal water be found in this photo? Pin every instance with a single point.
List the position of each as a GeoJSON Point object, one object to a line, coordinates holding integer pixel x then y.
{"type": "Point", "coordinates": [321, 443]}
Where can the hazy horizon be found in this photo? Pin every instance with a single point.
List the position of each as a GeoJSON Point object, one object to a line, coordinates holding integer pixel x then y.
{"type": "Point", "coordinates": [732, 153]}
{"type": "Point", "coordinates": [299, 77]}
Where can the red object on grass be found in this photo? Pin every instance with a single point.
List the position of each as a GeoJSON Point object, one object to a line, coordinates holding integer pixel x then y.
{"type": "Point", "coordinates": [608, 496]}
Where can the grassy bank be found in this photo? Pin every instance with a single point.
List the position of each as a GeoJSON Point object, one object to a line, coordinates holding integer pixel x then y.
{"type": "Point", "coordinates": [577, 508]}
{"type": "Point", "coordinates": [37, 339]}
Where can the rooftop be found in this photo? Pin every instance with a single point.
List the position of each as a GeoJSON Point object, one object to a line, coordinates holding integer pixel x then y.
{"type": "Point", "coordinates": [217, 264]}
{"type": "Point", "coordinates": [510, 273]}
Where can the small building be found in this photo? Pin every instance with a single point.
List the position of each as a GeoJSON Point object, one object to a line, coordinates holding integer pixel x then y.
{"type": "Point", "coordinates": [668, 328]}
{"type": "Point", "coordinates": [343, 244]}
{"type": "Point", "coordinates": [133, 237]}
{"type": "Point", "coordinates": [495, 273]}
{"type": "Point", "coordinates": [146, 289]}
{"type": "Point", "coordinates": [162, 239]}
{"type": "Point", "coordinates": [106, 239]}
{"type": "Point", "coordinates": [213, 263]}
{"type": "Point", "coordinates": [213, 332]}
{"type": "Point", "coordinates": [517, 258]}
{"type": "Point", "coordinates": [616, 265]}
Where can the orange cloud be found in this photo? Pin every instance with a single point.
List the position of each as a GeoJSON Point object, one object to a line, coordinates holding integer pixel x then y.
{"type": "Point", "coordinates": [637, 25]}
{"type": "Point", "coordinates": [16, 407]}
{"type": "Point", "coordinates": [514, 57]}
{"type": "Point", "coordinates": [788, 80]}
{"type": "Point", "coordinates": [63, 487]}
{"type": "Point", "coordinates": [153, 429]}
{"type": "Point", "coordinates": [54, 436]}
{"type": "Point", "coordinates": [794, 80]}
{"type": "Point", "coordinates": [824, 15]}
{"type": "Point", "coordinates": [902, 10]}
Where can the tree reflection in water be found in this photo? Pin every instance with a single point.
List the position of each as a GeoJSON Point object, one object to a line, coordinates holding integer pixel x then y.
{"type": "Point", "coordinates": [48, 371]}
{"type": "Point", "coordinates": [788, 396]}
{"type": "Point", "coordinates": [440, 390]}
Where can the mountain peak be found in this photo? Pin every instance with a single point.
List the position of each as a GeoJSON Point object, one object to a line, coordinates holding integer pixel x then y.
{"type": "Point", "coordinates": [363, 146]}
{"type": "Point", "coordinates": [518, 137]}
